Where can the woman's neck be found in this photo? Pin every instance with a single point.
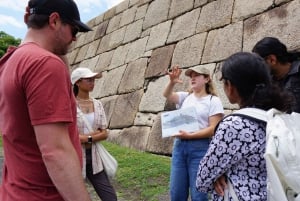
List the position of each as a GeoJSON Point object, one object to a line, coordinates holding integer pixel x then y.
{"type": "Point", "coordinates": [83, 96]}
{"type": "Point", "coordinates": [200, 94]}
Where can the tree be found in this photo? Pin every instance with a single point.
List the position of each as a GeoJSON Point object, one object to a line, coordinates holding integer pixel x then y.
{"type": "Point", "coordinates": [7, 40]}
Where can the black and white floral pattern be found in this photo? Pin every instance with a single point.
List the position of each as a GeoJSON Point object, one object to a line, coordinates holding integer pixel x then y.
{"type": "Point", "coordinates": [236, 151]}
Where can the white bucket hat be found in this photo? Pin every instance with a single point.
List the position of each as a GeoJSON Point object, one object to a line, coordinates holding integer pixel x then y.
{"type": "Point", "coordinates": [83, 72]}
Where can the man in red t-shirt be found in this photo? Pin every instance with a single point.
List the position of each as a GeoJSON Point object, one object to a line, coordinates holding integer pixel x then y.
{"type": "Point", "coordinates": [37, 109]}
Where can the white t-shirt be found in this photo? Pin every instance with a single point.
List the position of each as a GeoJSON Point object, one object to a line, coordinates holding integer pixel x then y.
{"type": "Point", "coordinates": [205, 106]}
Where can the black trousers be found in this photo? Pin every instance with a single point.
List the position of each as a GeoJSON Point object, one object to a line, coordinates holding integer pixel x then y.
{"type": "Point", "coordinates": [99, 181]}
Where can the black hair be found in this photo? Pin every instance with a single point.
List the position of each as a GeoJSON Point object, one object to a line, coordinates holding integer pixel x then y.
{"type": "Point", "coordinates": [249, 73]}
{"type": "Point", "coordinates": [271, 45]}
{"type": "Point", "coordinates": [75, 90]}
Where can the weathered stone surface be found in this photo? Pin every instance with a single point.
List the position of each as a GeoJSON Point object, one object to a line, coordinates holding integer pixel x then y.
{"type": "Point", "coordinates": [141, 12]}
{"type": "Point", "coordinates": [108, 87]}
{"type": "Point", "coordinates": [119, 56]}
{"type": "Point", "coordinates": [114, 23]}
{"type": "Point", "coordinates": [253, 7]}
{"type": "Point", "coordinates": [144, 119]}
{"type": "Point", "coordinates": [125, 109]}
{"type": "Point", "coordinates": [133, 2]}
{"type": "Point", "coordinates": [109, 105]}
{"type": "Point", "coordinates": [281, 1]}
{"type": "Point", "coordinates": [159, 35]}
{"type": "Point", "coordinates": [81, 54]}
{"type": "Point", "coordinates": [72, 55]}
{"type": "Point", "coordinates": [104, 61]}
{"type": "Point", "coordinates": [123, 6]}
{"type": "Point", "coordinates": [135, 137]}
{"type": "Point", "coordinates": [184, 26]}
{"type": "Point", "coordinates": [97, 92]}
{"type": "Point", "coordinates": [128, 16]}
{"type": "Point", "coordinates": [157, 144]}
{"type": "Point", "coordinates": [133, 78]}
{"type": "Point", "coordinates": [113, 135]}
{"type": "Point", "coordinates": [215, 14]}
{"type": "Point", "coordinates": [110, 13]}
{"type": "Point", "coordinates": [153, 100]}
{"type": "Point", "coordinates": [112, 40]}
{"type": "Point", "coordinates": [157, 12]}
{"type": "Point", "coordinates": [160, 61]}
{"type": "Point", "coordinates": [188, 52]}
{"type": "Point", "coordinates": [92, 49]}
{"type": "Point", "coordinates": [133, 31]}
{"type": "Point", "coordinates": [281, 22]}
{"type": "Point", "coordinates": [90, 36]}
{"type": "Point", "coordinates": [91, 63]}
{"type": "Point", "coordinates": [136, 49]}
{"type": "Point", "coordinates": [221, 43]}
{"type": "Point", "coordinates": [80, 40]}
{"type": "Point", "coordinates": [178, 7]}
{"type": "Point", "coordinates": [99, 19]}
{"type": "Point", "coordinates": [101, 29]}
{"type": "Point", "coordinates": [200, 3]}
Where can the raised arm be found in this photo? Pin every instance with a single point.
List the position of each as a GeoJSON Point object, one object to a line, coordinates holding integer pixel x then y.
{"type": "Point", "coordinates": [174, 79]}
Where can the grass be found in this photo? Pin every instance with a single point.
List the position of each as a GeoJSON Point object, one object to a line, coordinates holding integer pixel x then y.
{"type": "Point", "coordinates": [140, 175]}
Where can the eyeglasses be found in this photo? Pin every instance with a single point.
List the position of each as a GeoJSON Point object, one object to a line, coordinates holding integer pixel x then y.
{"type": "Point", "coordinates": [74, 28]}
{"type": "Point", "coordinates": [92, 79]}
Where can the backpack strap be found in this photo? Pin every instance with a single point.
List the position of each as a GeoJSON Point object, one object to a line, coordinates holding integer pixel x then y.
{"type": "Point", "coordinates": [254, 113]}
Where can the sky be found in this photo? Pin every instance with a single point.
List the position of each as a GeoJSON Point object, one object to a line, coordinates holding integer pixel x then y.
{"type": "Point", "coordinates": [12, 13]}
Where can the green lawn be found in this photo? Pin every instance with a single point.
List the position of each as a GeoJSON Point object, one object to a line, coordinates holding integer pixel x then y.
{"type": "Point", "coordinates": [142, 175]}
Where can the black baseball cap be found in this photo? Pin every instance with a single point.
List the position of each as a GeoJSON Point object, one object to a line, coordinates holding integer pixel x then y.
{"type": "Point", "coordinates": [67, 10]}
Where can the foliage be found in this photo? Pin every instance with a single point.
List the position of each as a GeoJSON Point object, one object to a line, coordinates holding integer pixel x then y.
{"type": "Point", "coordinates": [141, 176]}
{"type": "Point", "coordinates": [7, 40]}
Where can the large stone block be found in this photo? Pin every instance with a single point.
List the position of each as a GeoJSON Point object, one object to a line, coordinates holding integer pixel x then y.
{"type": "Point", "coordinates": [200, 3]}
{"type": "Point", "coordinates": [215, 14]}
{"type": "Point", "coordinates": [133, 78]}
{"type": "Point", "coordinates": [119, 56]}
{"type": "Point", "coordinates": [133, 31]}
{"type": "Point", "coordinates": [108, 87]}
{"type": "Point", "coordinates": [157, 144]}
{"type": "Point", "coordinates": [184, 26]}
{"type": "Point", "coordinates": [136, 49]}
{"type": "Point", "coordinates": [157, 12]}
{"type": "Point", "coordinates": [240, 11]}
{"type": "Point", "coordinates": [135, 137]}
{"type": "Point", "coordinates": [81, 54]}
{"type": "Point", "coordinates": [141, 12]}
{"type": "Point", "coordinates": [178, 7]}
{"type": "Point", "coordinates": [92, 49]}
{"type": "Point", "coordinates": [128, 16]}
{"type": "Point", "coordinates": [221, 43]}
{"type": "Point", "coordinates": [109, 105]}
{"type": "Point", "coordinates": [160, 61]}
{"type": "Point", "coordinates": [159, 35]}
{"type": "Point", "coordinates": [114, 24]}
{"type": "Point", "coordinates": [104, 61]}
{"type": "Point", "coordinates": [188, 52]}
{"type": "Point", "coordinates": [153, 100]}
{"type": "Point", "coordinates": [122, 6]}
{"type": "Point", "coordinates": [125, 109]}
{"type": "Point", "coordinates": [144, 119]}
{"type": "Point", "coordinates": [281, 22]}
{"type": "Point", "coordinates": [101, 29]}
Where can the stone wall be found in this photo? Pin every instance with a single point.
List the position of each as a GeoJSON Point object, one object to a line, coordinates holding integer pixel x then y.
{"type": "Point", "coordinates": [135, 42]}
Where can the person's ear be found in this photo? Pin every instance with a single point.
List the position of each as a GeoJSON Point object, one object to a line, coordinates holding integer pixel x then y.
{"type": "Point", "coordinates": [271, 59]}
{"type": "Point", "coordinates": [54, 20]}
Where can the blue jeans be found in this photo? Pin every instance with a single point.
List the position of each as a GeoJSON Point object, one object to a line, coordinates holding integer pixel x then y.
{"type": "Point", "coordinates": [185, 163]}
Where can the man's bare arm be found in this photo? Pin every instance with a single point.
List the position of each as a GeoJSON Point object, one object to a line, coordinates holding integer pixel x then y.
{"type": "Point", "coordinates": [61, 161]}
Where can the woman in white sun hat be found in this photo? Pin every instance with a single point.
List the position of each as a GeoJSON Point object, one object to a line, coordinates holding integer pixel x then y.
{"type": "Point", "coordinates": [189, 148]}
{"type": "Point", "coordinates": [83, 83]}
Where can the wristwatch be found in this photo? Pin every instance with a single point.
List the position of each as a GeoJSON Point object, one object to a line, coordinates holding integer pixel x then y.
{"type": "Point", "coordinates": [90, 139]}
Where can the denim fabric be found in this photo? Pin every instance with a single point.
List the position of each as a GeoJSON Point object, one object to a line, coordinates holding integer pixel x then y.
{"type": "Point", "coordinates": [185, 162]}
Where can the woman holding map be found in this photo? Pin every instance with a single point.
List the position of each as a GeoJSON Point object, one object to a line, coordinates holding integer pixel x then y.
{"type": "Point", "coordinates": [190, 147]}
